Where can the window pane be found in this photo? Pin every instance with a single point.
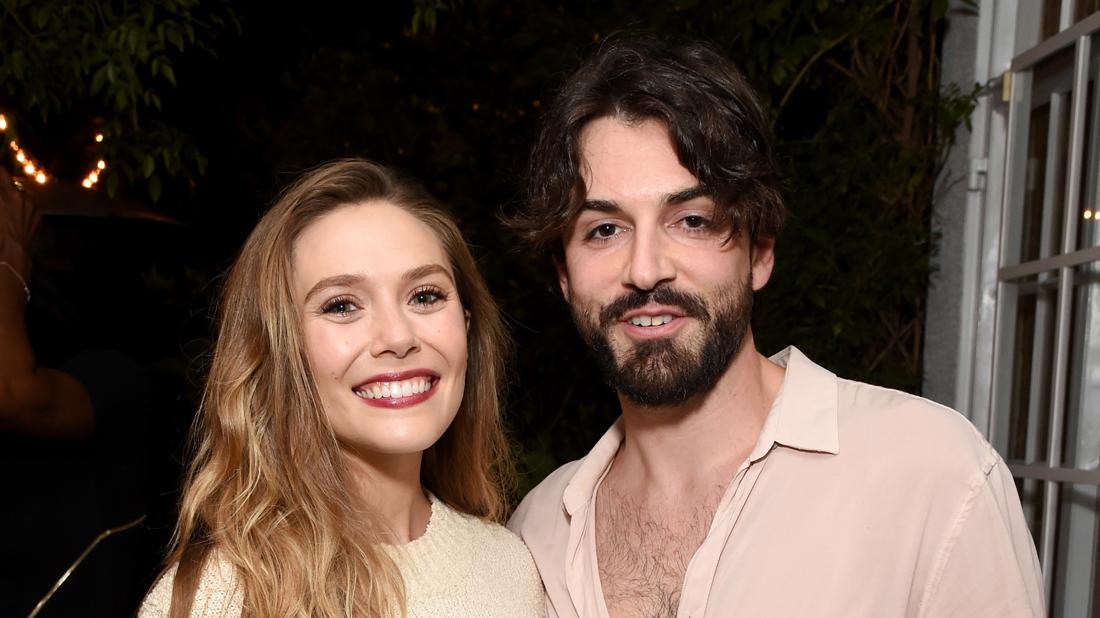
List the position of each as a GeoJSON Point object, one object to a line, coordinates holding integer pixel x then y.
{"type": "Point", "coordinates": [1081, 442]}
{"type": "Point", "coordinates": [1032, 366]}
{"type": "Point", "coordinates": [1087, 214]}
{"type": "Point", "coordinates": [1074, 566]}
{"type": "Point", "coordinates": [1047, 147]}
{"type": "Point", "coordinates": [1052, 9]}
{"type": "Point", "coordinates": [1031, 498]}
{"type": "Point", "coordinates": [1085, 8]}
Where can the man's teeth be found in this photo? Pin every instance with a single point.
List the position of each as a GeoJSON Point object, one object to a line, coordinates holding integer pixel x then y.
{"type": "Point", "coordinates": [404, 388]}
{"type": "Point", "coordinates": [645, 320]}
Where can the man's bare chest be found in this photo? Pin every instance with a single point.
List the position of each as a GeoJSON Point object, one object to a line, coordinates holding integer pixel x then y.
{"type": "Point", "coordinates": [643, 552]}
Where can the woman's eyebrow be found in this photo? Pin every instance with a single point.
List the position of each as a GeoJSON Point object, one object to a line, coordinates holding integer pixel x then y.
{"type": "Point", "coordinates": [427, 269]}
{"type": "Point", "coordinates": [334, 281]}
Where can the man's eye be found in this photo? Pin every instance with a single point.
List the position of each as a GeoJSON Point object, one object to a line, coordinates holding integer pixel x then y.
{"type": "Point", "coordinates": [604, 230]}
{"type": "Point", "coordinates": [696, 221]}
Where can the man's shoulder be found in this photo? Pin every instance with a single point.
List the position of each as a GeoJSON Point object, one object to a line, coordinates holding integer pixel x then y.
{"type": "Point", "coordinates": [911, 429]}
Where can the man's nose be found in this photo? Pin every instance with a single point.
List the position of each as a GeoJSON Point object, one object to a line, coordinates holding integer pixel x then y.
{"type": "Point", "coordinates": [650, 263]}
{"type": "Point", "coordinates": [392, 333]}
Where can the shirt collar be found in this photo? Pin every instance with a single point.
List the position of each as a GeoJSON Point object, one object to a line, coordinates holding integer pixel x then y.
{"type": "Point", "coordinates": [592, 468]}
{"type": "Point", "coordinates": [804, 414]}
{"type": "Point", "coordinates": [803, 417]}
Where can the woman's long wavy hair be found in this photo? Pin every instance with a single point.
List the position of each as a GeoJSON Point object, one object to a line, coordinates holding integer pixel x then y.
{"type": "Point", "coordinates": [266, 488]}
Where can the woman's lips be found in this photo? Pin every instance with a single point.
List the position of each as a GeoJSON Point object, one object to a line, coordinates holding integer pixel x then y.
{"type": "Point", "coordinates": [398, 389]}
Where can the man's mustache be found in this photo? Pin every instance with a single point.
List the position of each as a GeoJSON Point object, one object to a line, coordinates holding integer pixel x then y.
{"type": "Point", "coordinates": [689, 304]}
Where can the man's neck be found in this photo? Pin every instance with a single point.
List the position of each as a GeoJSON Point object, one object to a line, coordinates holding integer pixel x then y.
{"type": "Point", "coordinates": [676, 450]}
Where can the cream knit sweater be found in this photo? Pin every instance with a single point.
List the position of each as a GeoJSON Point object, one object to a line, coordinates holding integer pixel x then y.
{"type": "Point", "coordinates": [461, 566]}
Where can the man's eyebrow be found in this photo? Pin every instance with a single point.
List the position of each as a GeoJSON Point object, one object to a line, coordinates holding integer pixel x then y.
{"type": "Point", "coordinates": [672, 199]}
{"type": "Point", "coordinates": [686, 195]}
{"type": "Point", "coordinates": [600, 205]}
{"type": "Point", "coordinates": [334, 282]}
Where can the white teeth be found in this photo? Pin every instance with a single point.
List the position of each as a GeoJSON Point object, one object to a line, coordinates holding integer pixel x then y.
{"type": "Point", "coordinates": [645, 320]}
{"type": "Point", "coordinates": [404, 388]}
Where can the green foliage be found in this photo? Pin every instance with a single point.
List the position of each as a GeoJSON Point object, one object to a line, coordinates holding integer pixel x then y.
{"type": "Point", "coordinates": [450, 91]}
{"type": "Point", "coordinates": [109, 65]}
{"type": "Point", "coordinates": [426, 13]}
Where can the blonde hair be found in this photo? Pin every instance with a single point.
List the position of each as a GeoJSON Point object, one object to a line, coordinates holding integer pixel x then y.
{"type": "Point", "coordinates": [266, 485]}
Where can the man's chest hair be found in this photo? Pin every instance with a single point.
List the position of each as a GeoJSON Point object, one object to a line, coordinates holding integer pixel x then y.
{"type": "Point", "coordinates": [643, 551]}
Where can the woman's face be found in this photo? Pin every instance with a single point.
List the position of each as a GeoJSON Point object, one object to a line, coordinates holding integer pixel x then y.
{"type": "Point", "coordinates": [384, 329]}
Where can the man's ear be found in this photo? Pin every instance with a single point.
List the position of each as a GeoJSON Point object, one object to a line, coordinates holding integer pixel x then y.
{"type": "Point", "coordinates": [763, 261]}
{"type": "Point", "coordinates": [563, 276]}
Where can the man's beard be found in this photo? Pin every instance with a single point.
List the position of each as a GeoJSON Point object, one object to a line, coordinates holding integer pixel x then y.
{"type": "Point", "coordinates": [662, 372]}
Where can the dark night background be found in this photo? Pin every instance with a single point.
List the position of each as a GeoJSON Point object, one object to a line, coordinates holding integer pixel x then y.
{"type": "Point", "coordinates": [449, 92]}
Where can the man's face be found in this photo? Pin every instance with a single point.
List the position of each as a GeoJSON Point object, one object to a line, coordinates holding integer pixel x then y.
{"type": "Point", "coordinates": [662, 296]}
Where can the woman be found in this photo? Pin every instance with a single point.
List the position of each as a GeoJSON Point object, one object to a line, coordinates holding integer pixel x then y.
{"type": "Point", "coordinates": [349, 452]}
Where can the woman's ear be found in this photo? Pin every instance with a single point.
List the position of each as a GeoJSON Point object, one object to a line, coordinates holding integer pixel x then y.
{"type": "Point", "coordinates": [466, 312]}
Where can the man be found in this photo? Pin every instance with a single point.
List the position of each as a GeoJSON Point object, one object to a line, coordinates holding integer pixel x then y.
{"type": "Point", "coordinates": [733, 484]}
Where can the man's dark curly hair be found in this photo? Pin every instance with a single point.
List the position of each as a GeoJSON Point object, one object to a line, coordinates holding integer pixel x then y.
{"type": "Point", "coordinates": [718, 128]}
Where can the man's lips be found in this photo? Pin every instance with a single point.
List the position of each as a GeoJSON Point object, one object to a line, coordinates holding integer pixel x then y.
{"type": "Point", "coordinates": [652, 321]}
{"type": "Point", "coordinates": [398, 389]}
{"type": "Point", "coordinates": [652, 311]}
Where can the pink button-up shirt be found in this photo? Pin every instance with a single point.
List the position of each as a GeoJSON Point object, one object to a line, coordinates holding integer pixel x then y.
{"type": "Point", "coordinates": [856, 501]}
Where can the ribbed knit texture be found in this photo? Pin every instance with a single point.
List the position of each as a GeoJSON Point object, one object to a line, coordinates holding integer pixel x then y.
{"type": "Point", "coordinates": [460, 566]}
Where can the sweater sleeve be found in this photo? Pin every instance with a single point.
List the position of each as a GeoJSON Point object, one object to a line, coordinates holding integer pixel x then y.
{"type": "Point", "coordinates": [218, 594]}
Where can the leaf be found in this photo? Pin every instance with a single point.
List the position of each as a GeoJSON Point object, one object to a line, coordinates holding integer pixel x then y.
{"type": "Point", "coordinates": [169, 73]}
{"type": "Point", "coordinates": [99, 79]}
{"type": "Point", "coordinates": [155, 188]}
{"type": "Point", "coordinates": [148, 165]}
{"type": "Point", "coordinates": [175, 39]}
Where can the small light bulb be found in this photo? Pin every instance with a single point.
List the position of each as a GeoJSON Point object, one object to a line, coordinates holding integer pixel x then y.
{"type": "Point", "coordinates": [19, 156]}
{"type": "Point", "coordinates": [13, 145]}
{"type": "Point", "coordinates": [94, 177]}
{"type": "Point", "coordinates": [1088, 214]}
{"type": "Point", "coordinates": [41, 178]}
{"type": "Point", "coordinates": [87, 184]}
{"type": "Point", "coordinates": [102, 164]}
{"type": "Point", "coordinates": [98, 137]}
{"type": "Point", "coordinates": [3, 123]}
{"type": "Point", "coordinates": [29, 169]}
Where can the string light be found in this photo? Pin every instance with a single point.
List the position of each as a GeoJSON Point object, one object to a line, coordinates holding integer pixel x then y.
{"type": "Point", "coordinates": [35, 171]}
{"type": "Point", "coordinates": [1088, 214]}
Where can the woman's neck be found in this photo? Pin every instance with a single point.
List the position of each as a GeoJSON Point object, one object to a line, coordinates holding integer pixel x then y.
{"type": "Point", "coordinates": [388, 486]}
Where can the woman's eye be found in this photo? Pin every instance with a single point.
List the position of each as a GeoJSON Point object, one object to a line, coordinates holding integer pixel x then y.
{"type": "Point", "coordinates": [427, 297]}
{"type": "Point", "coordinates": [340, 306]}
